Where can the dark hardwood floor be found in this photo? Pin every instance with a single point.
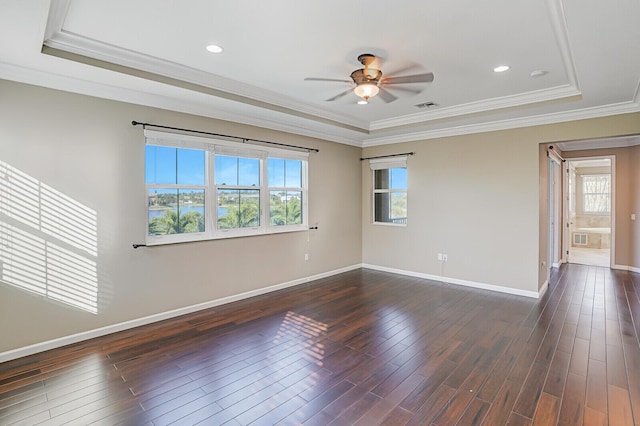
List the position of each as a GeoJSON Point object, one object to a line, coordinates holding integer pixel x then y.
{"type": "Point", "coordinates": [364, 348]}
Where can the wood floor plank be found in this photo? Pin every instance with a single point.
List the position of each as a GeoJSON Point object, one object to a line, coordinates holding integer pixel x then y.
{"type": "Point", "coordinates": [364, 347]}
{"type": "Point", "coordinates": [547, 411]}
{"type": "Point", "coordinates": [619, 407]}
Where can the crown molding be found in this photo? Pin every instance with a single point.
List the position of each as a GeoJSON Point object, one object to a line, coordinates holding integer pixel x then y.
{"type": "Point", "coordinates": [281, 123]}
{"type": "Point", "coordinates": [543, 95]}
{"type": "Point", "coordinates": [559, 25]}
{"type": "Point", "coordinates": [285, 123]}
{"type": "Point", "coordinates": [536, 120]}
{"type": "Point", "coordinates": [96, 53]}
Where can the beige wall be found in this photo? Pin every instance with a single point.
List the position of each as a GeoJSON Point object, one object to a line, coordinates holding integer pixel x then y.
{"type": "Point", "coordinates": [483, 200]}
{"type": "Point", "coordinates": [86, 149]}
{"type": "Point", "coordinates": [479, 198]}
{"type": "Point", "coordinates": [474, 198]}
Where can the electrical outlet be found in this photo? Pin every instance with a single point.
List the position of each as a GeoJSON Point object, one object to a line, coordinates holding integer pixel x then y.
{"type": "Point", "coordinates": [444, 258]}
{"type": "Point", "coordinates": [306, 256]}
{"type": "Point", "coordinates": [439, 256]}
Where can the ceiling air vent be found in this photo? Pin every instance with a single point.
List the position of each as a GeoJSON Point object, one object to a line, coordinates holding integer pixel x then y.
{"type": "Point", "coordinates": [427, 105]}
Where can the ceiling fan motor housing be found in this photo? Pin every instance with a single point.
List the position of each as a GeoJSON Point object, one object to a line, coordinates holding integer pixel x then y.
{"type": "Point", "coordinates": [366, 75]}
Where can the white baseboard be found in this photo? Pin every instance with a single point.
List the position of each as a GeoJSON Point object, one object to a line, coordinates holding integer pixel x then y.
{"type": "Point", "coordinates": [465, 283]}
{"type": "Point", "coordinates": [103, 331]}
{"type": "Point", "coordinates": [626, 268]}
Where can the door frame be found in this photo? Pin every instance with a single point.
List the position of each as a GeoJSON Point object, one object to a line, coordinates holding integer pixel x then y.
{"type": "Point", "coordinates": [566, 240]}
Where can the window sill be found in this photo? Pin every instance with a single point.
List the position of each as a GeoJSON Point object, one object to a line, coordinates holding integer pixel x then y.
{"type": "Point", "coordinates": [397, 225]}
{"type": "Point", "coordinates": [220, 235]}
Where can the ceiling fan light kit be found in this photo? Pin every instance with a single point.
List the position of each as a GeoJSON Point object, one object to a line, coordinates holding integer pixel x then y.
{"type": "Point", "coordinates": [366, 90]}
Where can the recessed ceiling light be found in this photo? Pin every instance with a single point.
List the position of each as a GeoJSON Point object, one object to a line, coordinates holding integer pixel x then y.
{"type": "Point", "coordinates": [501, 68]}
{"type": "Point", "coordinates": [538, 73]}
{"type": "Point", "coordinates": [214, 48]}
{"type": "Point", "coordinates": [363, 102]}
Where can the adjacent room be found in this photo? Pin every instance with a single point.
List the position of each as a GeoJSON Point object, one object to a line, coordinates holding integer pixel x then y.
{"type": "Point", "coordinates": [338, 213]}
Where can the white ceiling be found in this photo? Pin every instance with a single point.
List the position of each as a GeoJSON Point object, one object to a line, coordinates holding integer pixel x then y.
{"type": "Point", "coordinates": [152, 52]}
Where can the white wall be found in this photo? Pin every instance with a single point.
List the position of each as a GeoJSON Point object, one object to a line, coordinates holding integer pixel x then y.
{"type": "Point", "coordinates": [85, 149]}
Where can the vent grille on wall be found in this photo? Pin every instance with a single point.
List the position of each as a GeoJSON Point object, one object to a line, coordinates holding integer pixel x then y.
{"type": "Point", "coordinates": [580, 239]}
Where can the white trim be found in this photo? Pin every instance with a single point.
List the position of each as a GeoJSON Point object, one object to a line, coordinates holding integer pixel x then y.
{"type": "Point", "coordinates": [483, 286]}
{"type": "Point", "coordinates": [388, 163]}
{"type": "Point", "coordinates": [511, 123]}
{"type": "Point", "coordinates": [103, 331]}
{"type": "Point", "coordinates": [252, 116]}
{"type": "Point", "coordinates": [78, 44]}
{"type": "Point", "coordinates": [61, 39]}
{"type": "Point", "coordinates": [511, 101]}
{"type": "Point", "coordinates": [612, 159]}
{"type": "Point", "coordinates": [295, 125]}
{"type": "Point", "coordinates": [626, 268]}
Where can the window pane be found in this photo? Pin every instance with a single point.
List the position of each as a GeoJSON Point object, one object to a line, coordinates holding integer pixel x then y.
{"type": "Point", "coordinates": [275, 171]}
{"type": "Point", "coordinates": [190, 167]}
{"type": "Point", "coordinates": [381, 179]}
{"type": "Point", "coordinates": [398, 212]}
{"type": "Point", "coordinates": [238, 171]}
{"type": "Point", "coordinates": [248, 171]}
{"type": "Point", "coordinates": [238, 208]}
{"type": "Point", "coordinates": [381, 202]}
{"type": "Point", "coordinates": [596, 192]}
{"type": "Point", "coordinates": [175, 211]}
{"type": "Point", "coordinates": [390, 207]}
{"type": "Point", "coordinates": [597, 203]}
{"type": "Point", "coordinates": [398, 178]}
{"type": "Point", "coordinates": [293, 174]}
{"type": "Point", "coordinates": [160, 164]}
{"type": "Point", "coordinates": [285, 208]}
{"type": "Point", "coordinates": [226, 170]}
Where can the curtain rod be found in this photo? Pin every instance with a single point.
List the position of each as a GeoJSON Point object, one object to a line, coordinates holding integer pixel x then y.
{"type": "Point", "coordinates": [556, 153]}
{"type": "Point", "coordinates": [145, 125]}
{"type": "Point", "coordinates": [387, 156]}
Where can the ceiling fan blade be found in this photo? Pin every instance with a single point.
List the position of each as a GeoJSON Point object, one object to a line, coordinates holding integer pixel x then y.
{"type": "Point", "coordinates": [416, 78]}
{"type": "Point", "coordinates": [339, 95]}
{"type": "Point", "coordinates": [406, 69]}
{"type": "Point", "coordinates": [327, 79]}
{"type": "Point", "coordinates": [386, 95]}
{"type": "Point", "coordinates": [404, 89]}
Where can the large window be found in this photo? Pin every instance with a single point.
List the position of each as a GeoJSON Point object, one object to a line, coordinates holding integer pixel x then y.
{"type": "Point", "coordinates": [596, 194]}
{"type": "Point", "coordinates": [201, 189]}
{"type": "Point", "coordinates": [390, 191]}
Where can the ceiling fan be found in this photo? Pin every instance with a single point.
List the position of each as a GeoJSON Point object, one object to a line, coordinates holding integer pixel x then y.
{"type": "Point", "coordinates": [369, 82]}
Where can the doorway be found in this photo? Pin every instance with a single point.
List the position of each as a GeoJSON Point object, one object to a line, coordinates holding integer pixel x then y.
{"type": "Point", "coordinates": [589, 214]}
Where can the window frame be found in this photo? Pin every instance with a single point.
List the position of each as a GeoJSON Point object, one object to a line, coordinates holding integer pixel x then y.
{"type": "Point", "coordinates": [399, 162]}
{"type": "Point", "coordinates": [211, 148]}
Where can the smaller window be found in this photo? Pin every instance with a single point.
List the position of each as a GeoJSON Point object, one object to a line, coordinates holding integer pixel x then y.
{"type": "Point", "coordinates": [596, 194]}
{"type": "Point", "coordinates": [390, 191]}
